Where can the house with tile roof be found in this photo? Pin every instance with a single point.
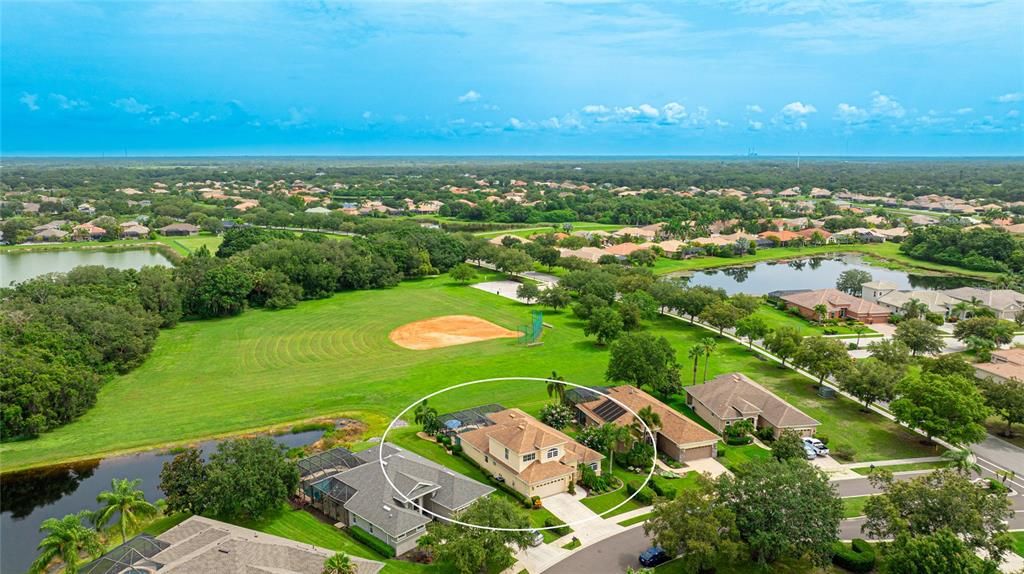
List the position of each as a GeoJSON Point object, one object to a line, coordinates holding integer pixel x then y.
{"type": "Point", "coordinates": [1005, 364]}
{"type": "Point", "coordinates": [733, 397]}
{"type": "Point", "coordinates": [358, 495]}
{"type": "Point", "coordinates": [1005, 303]}
{"type": "Point", "coordinates": [531, 457]}
{"type": "Point", "coordinates": [838, 305]}
{"type": "Point", "coordinates": [677, 436]}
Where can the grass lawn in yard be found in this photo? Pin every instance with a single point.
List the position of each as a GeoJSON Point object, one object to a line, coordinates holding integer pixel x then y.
{"type": "Point", "coordinates": [572, 545]}
{"type": "Point", "coordinates": [603, 502]}
{"type": "Point", "coordinates": [775, 318]}
{"type": "Point", "coordinates": [854, 506]}
{"type": "Point", "coordinates": [635, 519]}
{"type": "Point", "coordinates": [996, 427]}
{"type": "Point", "coordinates": [1018, 542]}
{"type": "Point", "coordinates": [189, 244]}
{"type": "Point", "coordinates": [734, 456]}
{"type": "Point", "coordinates": [904, 467]}
{"type": "Point", "coordinates": [333, 357]}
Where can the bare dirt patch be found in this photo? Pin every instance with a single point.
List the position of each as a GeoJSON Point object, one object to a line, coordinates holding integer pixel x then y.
{"type": "Point", "coordinates": [447, 331]}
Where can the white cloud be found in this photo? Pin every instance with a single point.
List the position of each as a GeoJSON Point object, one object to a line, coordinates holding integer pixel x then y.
{"type": "Point", "coordinates": [722, 123]}
{"type": "Point", "coordinates": [296, 118]}
{"type": "Point", "coordinates": [674, 112]}
{"type": "Point", "coordinates": [649, 111]}
{"type": "Point", "coordinates": [593, 109]}
{"type": "Point", "coordinates": [1013, 114]}
{"type": "Point", "coordinates": [517, 124]}
{"type": "Point", "coordinates": [30, 101]}
{"type": "Point", "coordinates": [963, 111]}
{"type": "Point", "coordinates": [65, 103]}
{"type": "Point", "coordinates": [130, 105]}
{"type": "Point", "coordinates": [469, 97]}
{"type": "Point", "coordinates": [754, 125]}
{"type": "Point", "coordinates": [367, 115]}
{"type": "Point", "coordinates": [850, 113]}
{"type": "Point", "coordinates": [887, 106]}
{"type": "Point", "coordinates": [754, 108]}
{"type": "Point", "coordinates": [794, 109]}
{"type": "Point", "coordinates": [551, 123]}
{"type": "Point", "coordinates": [1011, 97]}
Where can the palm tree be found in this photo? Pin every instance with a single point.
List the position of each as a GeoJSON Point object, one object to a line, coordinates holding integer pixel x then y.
{"type": "Point", "coordinates": [914, 308]}
{"type": "Point", "coordinates": [339, 563]}
{"type": "Point", "coordinates": [961, 309]}
{"type": "Point", "coordinates": [962, 460]}
{"type": "Point", "coordinates": [978, 308]}
{"type": "Point", "coordinates": [556, 389]}
{"type": "Point", "coordinates": [709, 344]}
{"type": "Point", "coordinates": [645, 416]}
{"type": "Point", "coordinates": [424, 414]}
{"type": "Point", "coordinates": [860, 329]}
{"type": "Point", "coordinates": [127, 502]}
{"type": "Point", "coordinates": [612, 436]}
{"type": "Point", "coordinates": [695, 353]}
{"type": "Point", "coordinates": [67, 538]}
{"type": "Point", "coordinates": [821, 311]}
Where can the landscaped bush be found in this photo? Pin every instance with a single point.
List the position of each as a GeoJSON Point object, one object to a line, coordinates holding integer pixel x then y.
{"type": "Point", "coordinates": [557, 526]}
{"type": "Point", "coordinates": [375, 544]}
{"type": "Point", "coordinates": [456, 449]}
{"type": "Point", "coordinates": [594, 483]}
{"type": "Point", "coordinates": [844, 452]}
{"type": "Point", "coordinates": [858, 557]}
{"type": "Point", "coordinates": [823, 439]}
{"type": "Point", "coordinates": [535, 501]}
{"type": "Point", "coordinates": [765, 434]}
{"type": "Point", "coordinates": [738, 440]}
{"type": "Point", "coordinates": [662, 491]}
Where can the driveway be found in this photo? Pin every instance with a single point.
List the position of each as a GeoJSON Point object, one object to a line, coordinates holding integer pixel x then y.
{"type": "Point", "coordinates": [702, 465]}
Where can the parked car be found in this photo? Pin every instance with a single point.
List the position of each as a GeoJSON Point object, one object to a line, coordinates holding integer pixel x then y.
{"type": "Point", "coordinates": [818, 446]}
{"type": "Point", "coordinates": [809, 452]}
{"type": "Point", "coordinates": [536, 538]}
{"type": "Point", "coordinates": [653, 556]}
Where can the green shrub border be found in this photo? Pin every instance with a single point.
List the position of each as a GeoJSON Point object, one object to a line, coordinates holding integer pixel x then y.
{"type": "Point", "coordinates": [375, 544]}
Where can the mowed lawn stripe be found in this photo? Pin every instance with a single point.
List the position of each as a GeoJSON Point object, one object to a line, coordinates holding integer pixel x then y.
{"type": "Point", "coordinates": [333, 357]}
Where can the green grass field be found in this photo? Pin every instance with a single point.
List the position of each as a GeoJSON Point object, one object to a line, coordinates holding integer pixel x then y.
{"type": "Point", "coordinates": [332, 357]}
{"type": "Point", "coordinates": [854, 506]}
{"type": "Point", "coordinates": [180, 245]}
{"type": "Point", "coordinates": [1018, 542]}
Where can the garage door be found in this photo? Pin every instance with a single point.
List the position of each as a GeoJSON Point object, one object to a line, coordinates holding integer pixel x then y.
{"type": "Point", "coordinates": [698, 452]}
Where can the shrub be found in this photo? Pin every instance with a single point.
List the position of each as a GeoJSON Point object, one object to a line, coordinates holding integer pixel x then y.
{"type": "Point", "coordinates": [765, 434]}
{"type": "Point", "coordinates": [456, 449]}
{"type": "Point", "coordinates": [632, 486]}
{"type": "Point", "coordinates": [844, 452]}
{"type": "Point", "coordinates": [557, 526]}
{"type": "Point", "coordinates": [644, 496]}
{"type": "Point", "coordinates": [823, 439]}
{"type": "Point", "coordinates": [738, 440]}
{"type": "Point", "coordinates": [851, 346]}
{"type": "Point", "coordinates": [572, 487]}
{"type": "Point", "coordinates": [374, 543]}
{"type": "Point", "coordinates": [535, 501]}
{"type": "Point", "coordinates": [858, 557]}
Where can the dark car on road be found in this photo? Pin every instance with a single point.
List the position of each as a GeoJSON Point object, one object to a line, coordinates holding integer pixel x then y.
{"type": "Point", "coordinates": [653, 556]}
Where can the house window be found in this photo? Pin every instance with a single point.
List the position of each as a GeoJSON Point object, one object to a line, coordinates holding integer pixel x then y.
{"type": "Point", "coordinates": [552, 453]}
{"type": "Point", "coordinates": [506, 454]}
{"type": "Point", "coordinates": [593, 466]}
{"type": "Point", "coordinates": [529, 457]}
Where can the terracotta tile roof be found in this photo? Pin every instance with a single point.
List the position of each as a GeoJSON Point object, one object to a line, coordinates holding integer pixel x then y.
{"type": "Point", "coordinates": [780, 235]}
{"type": "Point", "coordinates": [675, 426]}
{"type": "Point", "coordinates": [625, 248]}
{"type": "Point", "coordinates": [834, 299]}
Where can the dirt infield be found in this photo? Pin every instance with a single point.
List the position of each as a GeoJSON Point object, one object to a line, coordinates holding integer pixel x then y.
{"type": "Point", "coordinates": [447, 331]}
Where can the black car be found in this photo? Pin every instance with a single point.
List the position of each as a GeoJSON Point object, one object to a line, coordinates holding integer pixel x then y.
{"type": "Point", "coordinates": [653, 556]}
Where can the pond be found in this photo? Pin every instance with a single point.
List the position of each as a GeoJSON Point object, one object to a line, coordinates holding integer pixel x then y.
{"type": "Point", "coordinates": [17, 266]}
{"type": "Point", "coordinates": [30, 497]}
{"type": "Point", "coordinates": [813, 273]}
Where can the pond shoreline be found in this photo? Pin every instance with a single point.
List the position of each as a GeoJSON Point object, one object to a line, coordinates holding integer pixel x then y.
{"type": "Point", "coordinates": [166, 250]}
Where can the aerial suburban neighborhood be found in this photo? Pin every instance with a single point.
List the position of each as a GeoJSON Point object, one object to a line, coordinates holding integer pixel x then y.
{"type": "Point", "coordinates": [499, 287]}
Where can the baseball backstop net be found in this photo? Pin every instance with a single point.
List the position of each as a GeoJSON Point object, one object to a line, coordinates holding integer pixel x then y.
{"type": "Point", "coordinates": [530, 333]}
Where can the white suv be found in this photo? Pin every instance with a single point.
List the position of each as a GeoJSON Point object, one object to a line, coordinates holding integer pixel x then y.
{"type": "Point", "coordinates": [818, 446]}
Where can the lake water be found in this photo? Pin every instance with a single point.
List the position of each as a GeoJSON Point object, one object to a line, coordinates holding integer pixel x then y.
{"type": "Point", "coordinates": [17, 266]}
{"type": "Point", "coordinates": [30, 497]}
{"type": "Point", "coordinates": [813, 273]}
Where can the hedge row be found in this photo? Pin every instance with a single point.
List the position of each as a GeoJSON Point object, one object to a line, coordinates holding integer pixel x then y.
{"type": "Point", "coordinates": [562, 528]}
{"type": "Point", "coordinates": [662, 491]}
{"type": "Point", "coordinates": [375, 544]}
{"type": "Point", "coordinates": [858, 557]}
{"type": "Point", "coordinates": [643, 495]}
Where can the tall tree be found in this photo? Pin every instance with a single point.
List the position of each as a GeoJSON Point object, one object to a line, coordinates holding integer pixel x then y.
{"type": "Point", "coordinates": [1006, 399]}
{"type": "Point", "coordinates": [248, 478]}
{"type": "Point", "coordinates": [914, 309]}
{"type": "Point", "coordinates": [789, 446]}
{"type": "Point", "coordinates": [697, 526]}
{"type": "Point", "coordinates": [941, 551]}
{"type": "Point", "coordinates": [870, 380]}
{"type": "Point", "coordinates": [66, 539]}
{"type": "Point", "coordinates": [708, 344]}
{"type": "Point", "coordinates": [750, 328]}
{"type": "Point", "coordinates": [852, 280]}
{"type": "Point", "coordinates": [463, 273]}
{"type": "Point", "coordinates": [721, 315]}
{"type": "Point", "coordinates": [643, 360]}
{"type": "Point", "coordinates": [605, 324]}
{"type": "Point", "coordinates": [947, 407]}
{"type": "Point", "coordinates": [127, 502]}
{"type": "Point", "coordinates": [528, 291]}
{"type": "Point", "coordinates": [890, 352]}
{"type": "Point", "coordinates": [919, 336]}
{"type": "Point", "coordinates": [470, 550]}
{"type": "Point", "coordinates": [822, 357]}
{"type": "Point", "coordinates": [695, 352]}
{"type": "Point", "coordinates": [182, 481]}
{"type": "Point", "coordinates": [783, 343]}
{"type": "Point", "coordinates": [800, 517]}
{"type": "Point", "coordinates": [426, 416]}
{"type": "Point", "coordinates": [555, 387]}
{"type": "Point", "coordinates": [940, 500]}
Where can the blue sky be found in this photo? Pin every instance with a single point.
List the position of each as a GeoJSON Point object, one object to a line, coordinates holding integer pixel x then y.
{"type": "Point", "coordinates": [815, 77]}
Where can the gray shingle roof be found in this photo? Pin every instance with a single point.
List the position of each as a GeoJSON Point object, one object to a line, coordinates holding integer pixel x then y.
{"type": "Point", "coordinates": [735, 395]}
{"type": "Point", "coordinates": [377, 502]}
